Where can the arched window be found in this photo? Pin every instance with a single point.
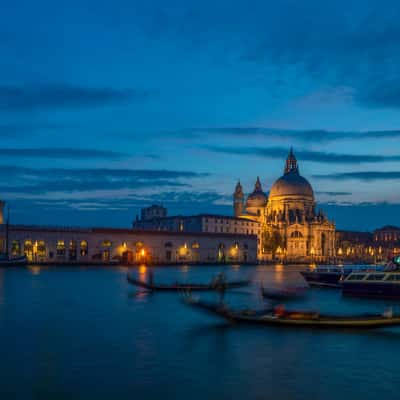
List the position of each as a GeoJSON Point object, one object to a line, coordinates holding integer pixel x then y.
{"type": "Point", "coordinates": [195, 245]}
{"type": "Point", "coordinates": [84, 248]}
{"type": "Point", "coordinates": [28, 249]}
{"type": "Point", "coordinates": [60, 248]}
{"type": "Point", "coordinates": [221, 252]}
{"type": "Point", "coordinates": [296, 234]}
{"type": "Point", "coordinates": [323, 244]}
{"type": "Point", "coordinates": [106, 243]}
{"type": "Point", "coordinates": [15, 248]}
{"type": "Point", "coordinates": [41, 248]}
{"type": "Point", "coordinates": [72, 249]}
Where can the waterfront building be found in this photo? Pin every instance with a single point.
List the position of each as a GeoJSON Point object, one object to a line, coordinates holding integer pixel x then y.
{"type": "Point", "coordinates": [209, 223]}
{"type": "Point", "coordinates": [368, 247]}
{"type": "Point", "coordinates": [203, 223]}
{"type": "Point", "coordinates": [387, 234]}
{"type": "Point", "coordinates": [57, 245]}
{"type": "Point", "coordinates": [356, 247]}
{"type": "Point", "coordinates": [291, 228]}
{"type": "Point", "coordinates": [387, 240]}
{"type": "Point", "coordinates": [152, 212]}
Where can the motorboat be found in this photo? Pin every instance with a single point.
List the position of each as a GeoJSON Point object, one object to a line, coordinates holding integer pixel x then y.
{"type": "Point", "coordinates": [325, 276]}
{"type": "Point", "coordinates": [385, 284]}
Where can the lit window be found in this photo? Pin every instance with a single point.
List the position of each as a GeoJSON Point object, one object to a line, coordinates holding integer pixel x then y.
{"type": "Point", "coordinates": [60, 251]}
{"type": "Point", "coordinates": [41, 248]}
{"type": "Point", "coordinates": [15, 248]}
{"type": "Point", "coordinates": [84, 248]}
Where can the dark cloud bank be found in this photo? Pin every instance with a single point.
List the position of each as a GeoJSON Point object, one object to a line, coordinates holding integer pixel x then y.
{"type": "Point", "coordinates": [61, 153]}
{"type": "Point", "coordinates": [308, 135]}
{"type": "Point", "coordinates": [63, 96]}
{"type": "Point", "coordinates": [32, 181]}
{"type": "Point", "coordinates": [304, 155]}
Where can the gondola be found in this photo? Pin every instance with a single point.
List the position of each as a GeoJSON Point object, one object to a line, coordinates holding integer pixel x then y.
{"type": "Point", "coordinates": [282, 294]}
{"type": "Point", "coordinates": [188, 286]}
{"type": "Point", "coordinates": [307, 319]}
{"type": "Point", "coordinates": [6, 261]}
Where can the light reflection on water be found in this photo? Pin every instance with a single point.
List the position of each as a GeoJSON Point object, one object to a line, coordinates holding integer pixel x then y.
{"type": "Point", "coordinates": [86, 333]}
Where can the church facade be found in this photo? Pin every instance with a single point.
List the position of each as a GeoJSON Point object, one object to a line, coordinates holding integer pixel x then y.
{"type": "Point", "coordinates": [291, 227]}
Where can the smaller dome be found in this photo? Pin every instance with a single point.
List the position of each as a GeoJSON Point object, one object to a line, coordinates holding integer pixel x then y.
{"type": "Point", "coordinates": [258, 198]}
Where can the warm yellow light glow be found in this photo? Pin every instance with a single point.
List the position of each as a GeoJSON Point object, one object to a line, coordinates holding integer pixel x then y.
{"type": "Point", "coordinates": [312, 251]}
{"type": "Point", "coordinates": [142, 271]}
{"type": "Point", "coordinates": [340, 251]}
{"type": "Point", "coordinates": [142, 252]}
{"type": "Point", "coordinates": [183, 250]}
{"type": "Point", "coordinates": [35, 270]}
{"type": "Point", "coordinates": [234, 250]}
{"type": "Point", "coordinates": [279, 267]}
{"type": "Point", "coordinates": [142, 268]}
{"type": "Point", "coordinates": [124, 245]}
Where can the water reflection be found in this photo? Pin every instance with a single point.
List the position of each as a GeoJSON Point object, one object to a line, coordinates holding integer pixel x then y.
{"type": "Point", "coordinates": [34, 269]}
{"type": "Point", "coordinates": [1, 286]}
{"type": "Point", "coordinates": [154, 346]}
{"type": "Point", "coordinates": [185, 268]}
{"type": "Point", "coordinates": [143, 272]}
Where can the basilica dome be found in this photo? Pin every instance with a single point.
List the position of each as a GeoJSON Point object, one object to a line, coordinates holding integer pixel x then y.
{"type": "Point", "coordinates": [291, 183]}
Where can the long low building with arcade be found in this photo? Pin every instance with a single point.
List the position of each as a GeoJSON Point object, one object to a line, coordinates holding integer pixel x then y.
{"type": "Point", "coordinates": [68, 245]}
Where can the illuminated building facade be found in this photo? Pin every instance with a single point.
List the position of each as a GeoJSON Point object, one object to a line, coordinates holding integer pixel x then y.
{"type": "Point", "coordinates": [208, 223]}
{"type": "Point", "coordinates": [290, 227]}
{"type": "Point", "coordinates": [53, 245]}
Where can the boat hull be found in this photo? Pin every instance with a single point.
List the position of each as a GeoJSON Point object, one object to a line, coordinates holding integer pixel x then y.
{"type": "Point", "coordinates": [282, 294]}
{"type": "Point", "coordinates": [372, 289]}
{"type": "Point", "coordinates": [15, 262]}
{"type": "Point", "coordinates": [328, 279]}
{"type": "Point", "coordinates": [187, 286]}
{"type": "Point", "coordinates": [297, 319]}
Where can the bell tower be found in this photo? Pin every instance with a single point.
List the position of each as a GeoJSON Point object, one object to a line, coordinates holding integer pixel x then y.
{"type": "Point", "coordinates": [238, 200]}
{"type": "Point", "coordinates": [291, 163]}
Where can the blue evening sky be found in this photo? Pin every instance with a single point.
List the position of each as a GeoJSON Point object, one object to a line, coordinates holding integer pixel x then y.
{"type": "Point", "coordinates": [106, 107]}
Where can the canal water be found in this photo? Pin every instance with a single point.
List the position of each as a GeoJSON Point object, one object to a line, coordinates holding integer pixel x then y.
{"type": "Point", "coordinates": [85, 333]}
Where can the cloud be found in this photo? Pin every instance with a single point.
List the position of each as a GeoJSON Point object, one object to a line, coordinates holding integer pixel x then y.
{"type": "Point", "coordinates": [384, 94]}
{"type": "Point", "coordinates": [362, 175]}
{"type": "Point", "coordinates": [55, 180]}
{"type": "Point", "coordinates": [8, 130]}
{"type": "Point", "coordinates": [63, 96]}
{"type": "Point", "coordinates": [333, 194]}
{"type": "Point", "coordinates": [320, 44]}
{"type": "Point", "coordinates": [67, 153]}
{"type": "Point", "coordinates": [305, 135]}
{"type": "Point", "coordinates": [304, 155]}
